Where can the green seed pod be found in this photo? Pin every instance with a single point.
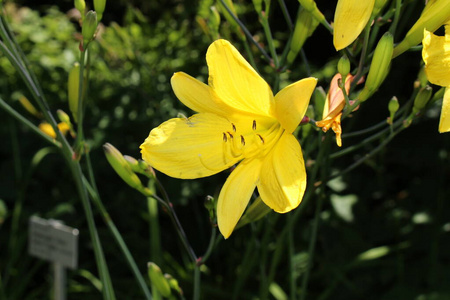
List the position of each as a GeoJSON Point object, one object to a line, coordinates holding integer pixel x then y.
{"type": "Point", "coordinates": [343, 66]}
{"type": "Point", "coordinates": [158, 280]}
{"type": "Point", "coordinates": [89, 27]}
{"type": "Point", "coordinates": [379, 67]}
{"type": "Point", "coordinates": [73, 90]}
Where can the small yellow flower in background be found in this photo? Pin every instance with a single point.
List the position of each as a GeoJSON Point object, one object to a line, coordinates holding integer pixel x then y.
{"type": "Point", "coordinates": [48, 129]}
{"type": "Point", "coordinates": [350, 18]}
{"type": "Point", "coordinates": [436, 55]}
{"type": "Point", "coordinates": [332, 111]}
{"type": "Point", "coordinates": [238, 120]}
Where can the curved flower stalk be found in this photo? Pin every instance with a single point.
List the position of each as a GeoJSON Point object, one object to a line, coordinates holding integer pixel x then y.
{"type": "Point", "coordinates": [334, 104]}
{"type": "Point", "coordinates": [350, 18]}
{"type": "Point", "coordinates": [238, 120]}
{"type": "Point", "coordinates": [436, 55]}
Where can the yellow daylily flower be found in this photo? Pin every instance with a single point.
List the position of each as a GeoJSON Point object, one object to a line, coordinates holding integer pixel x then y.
{"type": "Point", "coordinates": [436, 55]}
{"type": "Point", "coordinates": [238, 120]}
{"type": "Point", "coordinates": [48, 129]}
{"type": "Point", "coordinates": [350, 18]}
{"type": "Point", "coordinates": [334, 104]}
{"type": "Point", "coordinates": [435, 14]}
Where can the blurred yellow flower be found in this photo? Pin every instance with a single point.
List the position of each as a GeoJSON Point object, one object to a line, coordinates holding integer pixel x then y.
{"type": "Point", "coordinates": [350, 18]}
{"type": "Point", "coordinates": [334, 104]}
{"type": "Point", "coordinates": [238, 119]}
{"type": "Point", "coordinates": [48, 129]}
{"type": "Point", "coordinates": [436, 55]}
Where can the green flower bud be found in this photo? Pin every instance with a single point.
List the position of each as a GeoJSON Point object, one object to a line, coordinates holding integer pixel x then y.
{"type": "Point", "coordinates": [304, 28]}
{"type": "Point", "coordinates": [310, 5]}
{"type": "Point", "coordinates": [158, 280]}
{"type": "Point", "coordinates": [122, 168]}
{"type": "Point", "coordinates": [89, 27]}
{"type": "Point", "coordinates": [256, 211]}
{"type": "Point", "coordinates": [393, 106]}
{"type": "Point", "coordinates": [343, 66]}
{"type": "Point", "coordinates": [380, 66]}
{"type": "Point", "coordinates": [422, 98]}
{"type": "Point", "coordinates": [73, 90]}
{"type": "Point", "coordinates": [435, 14]}
{"type": "Point", "coordinates": [258, 5]}
{"type": "Point", "coordinates": [173, 284]}
{"type": "Point", "coordinates": [99, 6]}
{"type": "Point", "coordinates": [80, 5]}
{"type": "Point", "coordinates": [63, 117]}
{"type": "Point", "coordinates": [378, 6]}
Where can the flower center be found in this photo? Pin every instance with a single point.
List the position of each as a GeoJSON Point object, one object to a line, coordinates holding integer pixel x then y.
{"type": "Point", "coordinates": [249, 139]}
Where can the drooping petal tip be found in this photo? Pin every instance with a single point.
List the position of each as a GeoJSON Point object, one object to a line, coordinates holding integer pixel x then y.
{"type": "Point", "coordinates": [292, 101]}
{"type": "Point", "coordinates": [350, 18]}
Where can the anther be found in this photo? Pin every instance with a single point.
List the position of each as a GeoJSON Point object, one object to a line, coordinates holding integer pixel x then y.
{"type": "Point", "coordinates": [224, 137]}
{"type": "Point", "coordinates": [254, 125]}
{"type": "Point", "coordinates": [242, 141]}
{"type": "Point", "coordinates": [234, 127]}
{"type": "Point", "coordinates": [229, 133]}
{"type": "Point", "coordinates": [262, 139]}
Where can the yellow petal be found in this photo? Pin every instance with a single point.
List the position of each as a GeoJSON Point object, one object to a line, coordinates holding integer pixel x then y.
{"type": "Point", "coordinates": [235, 82]}
{"type": "Point", "coordinates": [283, 176]}
{"type": "Point", "coordinates": [196, 95]}
{"type": "Point", "coordinates": [350, 18]}
{"type": "Point", "coordinates": [47, 129]}
{"type": "Point", "coordinates": [444, 123]}
{"type": "Point", "coordinates": [189, 147]}
{"type": "Point", "coordinates": [436, 55]}
{"type": "Point", "coordinates": [292, 101]}
{"type": "Point", "coordinates": [235, 195]}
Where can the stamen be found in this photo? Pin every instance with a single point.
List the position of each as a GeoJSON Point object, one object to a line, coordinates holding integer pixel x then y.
{"type": "Point", "coordinates": [261, 138]}
{"type": "Point", "coordinates": [224, 136]}
{"type": "Point", "coordinates": [254, 125]}
{"type": "Point", "coordinates": [242, 141]}
{"type": "Point", "coordinates": [234, 127]}
{"type": "Point", "coordinates": [231, 136]}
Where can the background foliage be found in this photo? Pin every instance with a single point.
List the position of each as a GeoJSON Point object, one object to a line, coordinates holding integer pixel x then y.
{"type": "Point", "coordinates": [384, 227]}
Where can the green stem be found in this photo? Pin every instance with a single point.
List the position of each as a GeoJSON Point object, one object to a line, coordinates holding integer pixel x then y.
{"type": "Point", "coordinates": [286, 15]}
{"type": "Point", "coordinates": [212, 243]}
{"type": "Point", "coordinates": [370, 154]}
{"type": "Point", "coordinates": [362, 60]}
{"type": "Point", "coordinates": [118, 237]}
{"type": "Point", "coordinates": [312, 245]}
{"type": "Point", "coordinates": [246, 32]}
{"type": "Point", "coordinates": [27, 123]}
{"type": "Point", "coordinates": [269, 38]}
{"type": "Point", "coordinates": [155, 235]}
{"type": "Point", "coordinates": [80, 134]}
{"type": "Point", "coordinates": [291, 252]}
{"type": "Point", "coordinates": [197, 279]}
{"type": "Point", "coordinates": [108, 292]}
{"type": "Point", "coordinates": [393, 28]}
